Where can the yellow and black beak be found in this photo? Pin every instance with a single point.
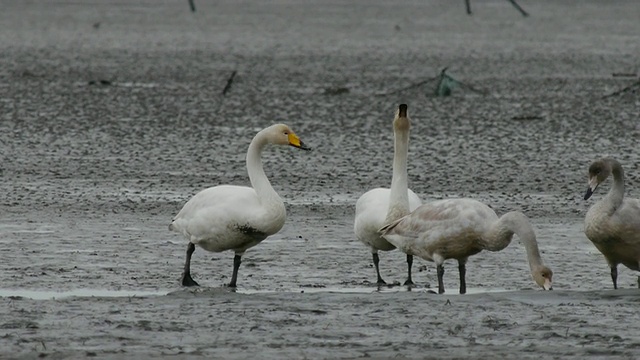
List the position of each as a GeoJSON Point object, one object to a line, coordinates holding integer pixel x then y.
{"type": "Point", "coordinates": [295, 141]}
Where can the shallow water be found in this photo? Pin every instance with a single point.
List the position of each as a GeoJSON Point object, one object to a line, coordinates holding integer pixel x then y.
{"type": "Point", "coordinates": [92, 174]}
{"type": "Point", "coordinates": [57, 295]}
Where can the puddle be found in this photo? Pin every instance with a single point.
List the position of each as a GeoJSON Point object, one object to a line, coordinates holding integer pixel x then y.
{"type": "Point", "coordinates": [366, 290]}
{"type": "Point", "coordinates": [315, 290]}
{"type": "Point", "coordinates": [57, 295]}
{"type": "Point", "coordinates": [471, 291]}
{"type": "Point", "coordinates": [51, 295]}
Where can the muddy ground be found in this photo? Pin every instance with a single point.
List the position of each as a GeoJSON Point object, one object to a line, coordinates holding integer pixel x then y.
{"type": "Point", "coordinates": [111, 117]}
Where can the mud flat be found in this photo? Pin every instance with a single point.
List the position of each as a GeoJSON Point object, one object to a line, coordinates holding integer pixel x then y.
{"type": "Point", "coordinates": [112, 116]}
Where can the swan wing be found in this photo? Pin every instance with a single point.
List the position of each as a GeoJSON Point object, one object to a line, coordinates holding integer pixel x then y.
{"type": "Point", "coordinates": [626, 224]}
{"type": "Point", "coordinates": [215, 211]}
{"type": "Point", "coordinates": [628, 216]}
{"type": "Point", "coordinates": [623, 225]}
{"type": "Point", "coordinates": [424, 218]}
{"type": "Point", "coordinates": [438, 222]}
{"type": "Point", "coordinates": [371, 211]}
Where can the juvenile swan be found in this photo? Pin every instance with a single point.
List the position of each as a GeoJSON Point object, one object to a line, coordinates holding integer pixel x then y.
{"type": "Point", "coordinates": [459, 228]}
{"type": "Point", "coordinates": [380, 206]}
{"type": "Point", "coordinates": [228, 217]}
{"type": "Point", "coordinates": [613, 223]}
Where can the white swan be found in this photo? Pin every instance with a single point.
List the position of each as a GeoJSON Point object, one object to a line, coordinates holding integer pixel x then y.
{"type": "Point", "coordinates": [228, 217]}
{"type": "Point", "coordinates": [459, 228]}
{"type": "Point", "coordinates": [613, 223]}
{"type": "Point", "coordinates": [380, 206]}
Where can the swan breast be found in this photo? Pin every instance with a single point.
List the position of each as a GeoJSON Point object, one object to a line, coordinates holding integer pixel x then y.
{"type": "Point", "coordinates": [228, 217]}
{"type": "Point", "coordinates": [371, 215]}
{"type": "Point", "coordinates": [616, 236]}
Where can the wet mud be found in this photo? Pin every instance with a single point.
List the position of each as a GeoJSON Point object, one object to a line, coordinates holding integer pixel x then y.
{"type": "Point", "coordinates": [112, 115]}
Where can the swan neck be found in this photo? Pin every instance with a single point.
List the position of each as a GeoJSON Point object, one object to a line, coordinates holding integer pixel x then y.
{"type": "Point", "coordinates": [517, 223]}
{"type": "Point", "coordinates": [399, 197]}
{"type": "Point", "coordinates": [616, 194]}
{"type": "Point", "coordinates": [258, 178]}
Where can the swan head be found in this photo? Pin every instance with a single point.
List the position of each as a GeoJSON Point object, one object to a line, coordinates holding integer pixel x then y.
{"type": "Point", "coordinates": [598, 173]}
{"type": "Point", "coordinates": [542, 275]}
{"type": "Point", "coordinates": [401, 121]}
{"type": "Point", "coordinates": [281, 134]}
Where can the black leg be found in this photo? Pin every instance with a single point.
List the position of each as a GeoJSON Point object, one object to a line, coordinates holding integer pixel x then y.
{"type": "Point", "coordinates": [409, 265]}
{"type": "Point", "coordinates": [186, 275]}
{"type": "Point", "coordinates": [440, 279]}
{"type": "Point", "coordinates": [237, 260]}
{"type": "Point", "coordinates": [376, 261]}
{"type": "Point", "coordinates": [468, 6]}
{"type": "Point", "coordinates": [614, 275]}
{"type": "Point", "coordinates": [463, 271]}
{"type": "Point", "coordinates": [515, 4]}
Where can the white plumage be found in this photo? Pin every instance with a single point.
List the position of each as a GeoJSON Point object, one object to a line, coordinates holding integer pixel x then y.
{"type": "Point", "coordinates": [229, 217]}
{"type": "Point", "coordinates": [380, 206]}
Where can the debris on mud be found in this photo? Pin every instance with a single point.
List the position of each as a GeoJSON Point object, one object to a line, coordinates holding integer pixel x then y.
{"type": "Point", "coordinates": [444, 86]}
{"type": "Point", "coordinates": [513, 2]}
{"type": "Point", "coordinates": [633, 89]}
{"type": "Point", "coordinates": [526, 118]}
{"type": "Point", "coordinates": [338, 90]}
{"type": "Point", "coordinates": [100, 82]}
{"type": "Point", "coordinates": [227, 87]}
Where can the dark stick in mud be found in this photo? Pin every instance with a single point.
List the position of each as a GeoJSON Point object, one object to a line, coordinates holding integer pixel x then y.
{"type": "Point", "coordinates": [513, 2]}
{"type": "Point", "coordinates": [229, 82]}
{"type": "Point", "coordinates": [623, 90]}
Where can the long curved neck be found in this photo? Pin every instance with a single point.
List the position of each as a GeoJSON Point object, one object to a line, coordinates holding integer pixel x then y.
{"type": "Point", "coordinates": [398, 194]}
{"type": "Point", "coordinates": [616, 194]}
{"type": "Point", "coordinates": [258, 179]}
{"type": "Point", "coordinates": [501, 233]}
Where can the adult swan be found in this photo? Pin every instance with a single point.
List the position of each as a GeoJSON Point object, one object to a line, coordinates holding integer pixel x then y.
{"type": "Point", "coordinates": [228, 217]}
{"type": "Point", "coordinates": [613, 223]}
{"type": "Point", "coordinates": [380, 206]}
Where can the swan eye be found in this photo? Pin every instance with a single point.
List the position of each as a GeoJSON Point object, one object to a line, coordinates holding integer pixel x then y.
{"type": "Point", "coordinates": [286, 133]}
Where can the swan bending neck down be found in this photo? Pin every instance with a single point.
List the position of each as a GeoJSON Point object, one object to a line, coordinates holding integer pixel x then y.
{"type": "Point", "coordinates": [228, 217]}
{"type": "Point", "coordinates": [613, 223]}
{"type": "Point", "coordinates": [459, 228]}
{"type": "Point", "coordinates": [380, 206]}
